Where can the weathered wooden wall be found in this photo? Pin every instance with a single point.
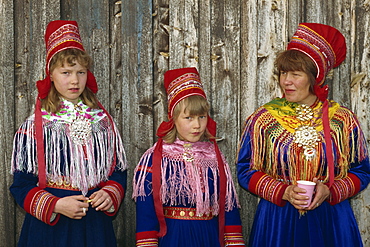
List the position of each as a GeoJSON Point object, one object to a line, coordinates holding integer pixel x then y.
{"type": "Point", "coordinates": [133, 42]}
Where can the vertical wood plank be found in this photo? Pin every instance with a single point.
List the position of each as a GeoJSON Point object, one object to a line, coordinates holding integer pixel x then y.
{"type": "Point", "coordinates": [137, 95]}
{"type": "Point", "coordinates": [183, 33]}
{"type": "Point", "coordinates": [227, 84]}
{"type": "Point", "coordinates": [161, 56]}
{"type": "Point", "coordinates": [359, 42]}
{"type": "Point", "coordinates": [7, 94]}
{"type": "Point", "coordinates": [248, 89]}
{"type": "Point", "coordinates": [116, 87]}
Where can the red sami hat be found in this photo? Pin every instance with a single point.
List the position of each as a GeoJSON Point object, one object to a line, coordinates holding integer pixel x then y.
{"type": "Point", "coordinates": [180, 84]}
{"type": "Point", "coordinates": [326, 47]}
{"type": "Point", "coordinates": [61, 35]}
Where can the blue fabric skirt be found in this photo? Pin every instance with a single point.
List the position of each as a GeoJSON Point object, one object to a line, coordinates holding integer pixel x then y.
{"type": "Point", "coordinates": [194, 233]}
{"type": "Point", "coordinates": [322, 227]}
{"type": "Point", "coordinates": [93, 230]}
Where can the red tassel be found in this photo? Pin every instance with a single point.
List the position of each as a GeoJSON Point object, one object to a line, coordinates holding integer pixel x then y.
{"type": "Point", "coordinates": [321, 92]}
{"type": "Point", "coordinates": [91, 82]}
{"type": "Point", "coordinates": [43, 86]}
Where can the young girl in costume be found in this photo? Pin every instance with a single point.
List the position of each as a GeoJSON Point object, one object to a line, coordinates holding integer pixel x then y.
{"type": "Point", "coordinates": [183, 188]}
{"type": "Point", "coordinates": [68, 159]}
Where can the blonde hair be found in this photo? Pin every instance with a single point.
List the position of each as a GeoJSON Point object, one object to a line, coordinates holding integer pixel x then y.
{"type": "Point", "coordinates": [69, 56]}
{"type": "Point", "coordinates": [195, 105]}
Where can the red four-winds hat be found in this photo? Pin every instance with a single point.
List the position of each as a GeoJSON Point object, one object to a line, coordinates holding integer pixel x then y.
{"type": "Point", "coordinates": [180, 84]}
{"type": "Point", "coordinates": [326, 47]}
{"type": "Point", "coordinates": [61, 35]}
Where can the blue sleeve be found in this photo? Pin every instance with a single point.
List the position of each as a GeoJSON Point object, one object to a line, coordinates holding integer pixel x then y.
{"type": "Point", "coordinates": [22, 184]}
{"type": "Point", "coordinates": [244, 173]}
{"type": "Point", "coordinates": [232, 218]}
{"type": "Point", "coordinates": [146, 218]}
{"type": "Point", "coordinates": [360, 168]}
{"type": "Point", "coordinates": [120, 177]}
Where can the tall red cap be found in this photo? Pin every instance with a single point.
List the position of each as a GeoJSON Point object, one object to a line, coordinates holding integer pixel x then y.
{"type": "Point", "coordinates": [324, 44]}
{"type": "Point", "coordinates": [180, 84]}
{"type": "Point", "coordinates": [61, 35]}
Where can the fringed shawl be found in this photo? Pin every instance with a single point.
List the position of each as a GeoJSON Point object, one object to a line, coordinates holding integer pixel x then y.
{"type": "Point", "coordinates": [271, 132]}
{"type": "Point", "coordinates": [187, 182]}
{"type": "Point", "coordinates": [83, 166]}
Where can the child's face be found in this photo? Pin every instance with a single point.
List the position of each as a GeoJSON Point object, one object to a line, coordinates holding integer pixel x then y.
{"type": "Point", "coordinates": [190, 128]}
{"type": "Point", "coordinates": [70, 81]}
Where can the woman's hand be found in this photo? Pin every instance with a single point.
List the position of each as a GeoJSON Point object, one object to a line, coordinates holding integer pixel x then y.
{"type": "Point", "coordinates": [297, 200]}
{"type": "Point", "coordinates": [321, 193]}
{"type": "Point", "coordinates": [74, 207]}
{"type": "Point", "coordinates": [100, 200]}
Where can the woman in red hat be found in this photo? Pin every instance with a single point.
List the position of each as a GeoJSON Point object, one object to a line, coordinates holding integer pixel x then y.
{"type": "Point", "coordinates": [305, 136]}
{"type": "Point", "coordinates": [68, 159]}
{"type": "Point", "coordinates": [183, 187]}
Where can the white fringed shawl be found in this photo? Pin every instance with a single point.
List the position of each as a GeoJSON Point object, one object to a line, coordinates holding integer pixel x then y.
{"type": "Point", "coordinates": [84, 166]}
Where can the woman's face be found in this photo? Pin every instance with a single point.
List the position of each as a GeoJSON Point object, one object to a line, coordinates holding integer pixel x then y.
{"type": "Point", "coordinates": [70, 81]}
{"type": "Point", "coordinates": [296, 87]}
{"type": "Point", "coordinates": [190, 128]}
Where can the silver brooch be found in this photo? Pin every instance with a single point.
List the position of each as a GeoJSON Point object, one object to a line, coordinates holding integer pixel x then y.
{"type": "Point", "coordinates": [306, 136]}
{"type": "Point", "coordinates": [80, 129]}
{"type": "Point", "coordinates": [187, 155]}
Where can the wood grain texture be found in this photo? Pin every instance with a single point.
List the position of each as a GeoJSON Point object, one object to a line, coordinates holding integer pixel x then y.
{"type": "Point", "coordinates": [8, 63]}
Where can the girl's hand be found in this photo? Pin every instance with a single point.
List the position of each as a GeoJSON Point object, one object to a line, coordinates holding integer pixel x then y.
{"type": "Point", "coordinates": [74, 207]}
{"type": "Point", "coordinates": [297, 200]}
{"type": "Point", "coordinates": [100, 200]}
{"type": "Point", "coordinates": [321, 193]}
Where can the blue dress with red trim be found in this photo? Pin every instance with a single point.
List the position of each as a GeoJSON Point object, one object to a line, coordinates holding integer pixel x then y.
{"type": "Point", "coordinates": [277, 222]}
{"type": "Point", "coordinates": [181, 230]}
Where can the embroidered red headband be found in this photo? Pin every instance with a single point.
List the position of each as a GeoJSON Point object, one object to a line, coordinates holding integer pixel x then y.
{"type": "Point", "coordinates": [61, 35]}
{"type": "Point", "coordinates": [324, 44]}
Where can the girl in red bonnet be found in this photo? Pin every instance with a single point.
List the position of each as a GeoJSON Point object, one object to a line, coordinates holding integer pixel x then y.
{"type": "Point", "coordinates": [68, 159]}
{"type": "Point", "coordinates": [183, 187]}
